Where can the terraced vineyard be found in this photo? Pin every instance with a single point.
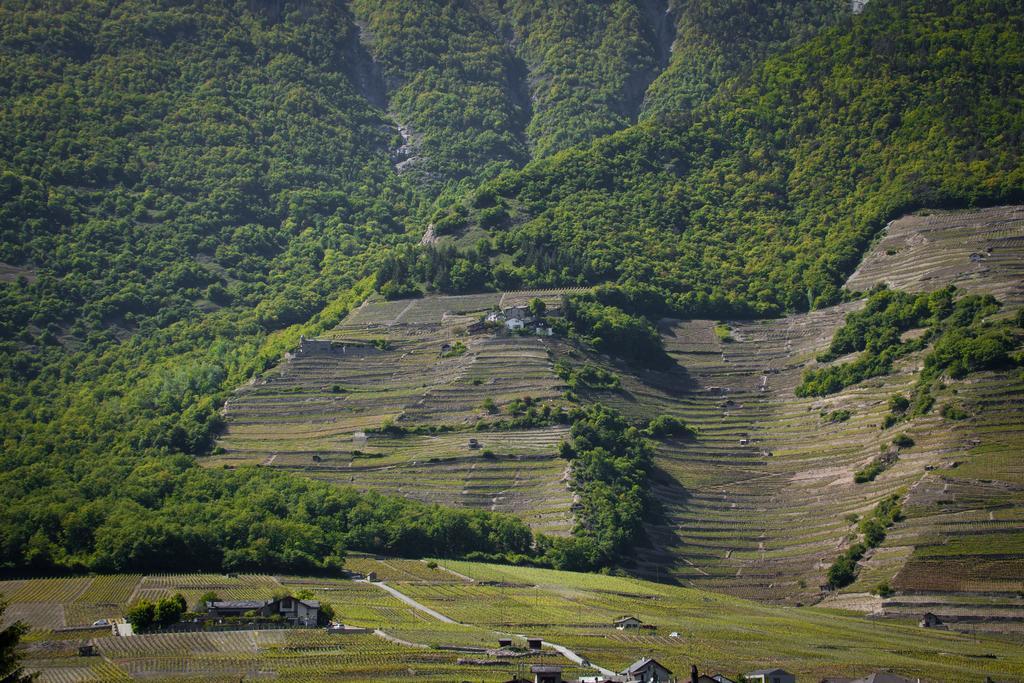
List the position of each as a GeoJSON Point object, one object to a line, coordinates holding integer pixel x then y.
{"type": "Point", "coordinates": [764, 500]}
{"type": "Point", "coordinates": [485, 602]}
{"type": "Point", "coordinates": [315, 414]}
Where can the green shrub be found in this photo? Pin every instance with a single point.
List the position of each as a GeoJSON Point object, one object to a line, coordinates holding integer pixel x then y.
{"type": "Point", "coordinates": [903, 441]}
{"type": "Point", "coordinates": [841, 415]}
{"type": "Point", "coordinates": [667, 425]}
{"type": "Point", "coordinates": [952, 411]}
{"type": "Point", "coordinates": [898, 403]}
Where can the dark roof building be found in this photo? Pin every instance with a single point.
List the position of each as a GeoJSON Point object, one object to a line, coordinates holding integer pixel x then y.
{"type": "Point", "coordinates": [647, 670]}
{"type": "Point", "coordinates": [546, 673]}
{"type": "Point", "coordinates": [293, 610]}
{"type": "Point", "coordinates": [770, 676]}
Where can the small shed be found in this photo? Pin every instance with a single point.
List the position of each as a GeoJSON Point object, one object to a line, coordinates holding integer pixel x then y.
{"type": "Point", "coordinates": [371, 576]}
{"type": "Point", "coordinates": [504, 642]}
{"type": "Point", "coordinates": [534, 643]}
{"type": "Point", "coordinates": [623, 623]}
{"type": "Point", "coordinates": [87, 651]}
{"type": "Point", "coordinates": [929, 620]}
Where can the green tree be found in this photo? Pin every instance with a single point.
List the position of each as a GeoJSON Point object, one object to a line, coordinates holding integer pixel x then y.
{"type": "Point", "coordinates": [11, 670]}
{"type": "Point", "coordinates": [141, 615]}
{"type": "Point", "coordinates": [537, 307]}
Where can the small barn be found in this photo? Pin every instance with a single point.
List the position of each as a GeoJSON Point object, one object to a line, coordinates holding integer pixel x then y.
{"type": "Point", "coordinates": [929, 620]}
{"type": "Point", "coordinates": [623, 623]}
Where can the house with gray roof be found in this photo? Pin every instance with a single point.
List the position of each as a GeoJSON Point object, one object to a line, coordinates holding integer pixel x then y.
{"type": "Point", "coordinates": [647, 670]}
{"type": "Point", "coordinates": [293, 610]}
{"type": "Point", "coordinates": [770, 676]}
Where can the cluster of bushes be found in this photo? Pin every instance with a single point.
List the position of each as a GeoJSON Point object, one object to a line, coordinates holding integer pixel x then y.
{"type": "Point", "coordinates": [873, 528]}
{"type": "Point", "coordinates": [668, 425]}
{"type": "Point", "coordinates": [841, 415]}
{"type": "Point", "coordinates": [144, 614]}
{"type": "Point", "coordinates": [587, 376]}
{"type": "Point", "coordinates": [457, 349]}
{"type": "Point", "coordinates": [876, 466]}
{"type": "Point", "coordinates": [964, 341]}
{"type": "Point", "coordinates": [611, 462]}
{"type": "Point", "coordinates": [611, 330]}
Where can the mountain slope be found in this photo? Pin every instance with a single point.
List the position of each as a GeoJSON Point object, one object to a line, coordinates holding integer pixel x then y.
{"type": "Point", "coordinates": [185, 190]}
{"type": "Point", "coordinates": [764, 200]}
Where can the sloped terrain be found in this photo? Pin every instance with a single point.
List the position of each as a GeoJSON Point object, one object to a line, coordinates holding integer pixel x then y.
{"type": "Point", "coordinates": [483, 603]}
{"type": "Point", "coordinates": [321, 412]}
{"type": "Point", "coordinates": [764, 499]}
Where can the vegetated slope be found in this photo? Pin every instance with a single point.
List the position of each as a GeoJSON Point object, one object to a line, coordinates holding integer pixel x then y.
{"type": "Point", "coordinates": [716, 40]}
{"type": "Point", "coordinates": [178, 182]}
{"type": "Point", "coordinates": [588, 65]}
{"type": "Point", "coordinates": [481, 86]}
{"type": "Point", "coordinates": [181, 187]}
{"type": "Point", "coordinates": [451, 83]}
{"type": "Point", "coordinates": [764, 199]}
{"type": "Point", "coordinates": [715, 632]}
{"type": "Point", "coordinates": [768, 495]}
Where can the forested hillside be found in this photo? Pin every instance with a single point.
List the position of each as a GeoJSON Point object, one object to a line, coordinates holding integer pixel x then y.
{"type": "Point", "coordinates": [186, 187]}
{"type": "Point", "coordinates": [763, 200]}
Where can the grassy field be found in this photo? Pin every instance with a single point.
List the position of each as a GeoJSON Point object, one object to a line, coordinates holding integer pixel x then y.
{"type": "Point", "coordinates": [717, 632]}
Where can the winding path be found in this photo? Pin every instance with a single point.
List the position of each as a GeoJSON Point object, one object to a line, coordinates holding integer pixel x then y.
{"type": "Point", "coordinates": [415, 604]}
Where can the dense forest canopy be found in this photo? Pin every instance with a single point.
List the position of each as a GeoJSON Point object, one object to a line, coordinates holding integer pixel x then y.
{"type": "Point", "coordinates": [185, 187]}
{"type": "Point", "coordinates": [763, 199]}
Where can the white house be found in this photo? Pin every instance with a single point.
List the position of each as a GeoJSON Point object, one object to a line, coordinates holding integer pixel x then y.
{"type": "Point", "coordinates": [627, 622]}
